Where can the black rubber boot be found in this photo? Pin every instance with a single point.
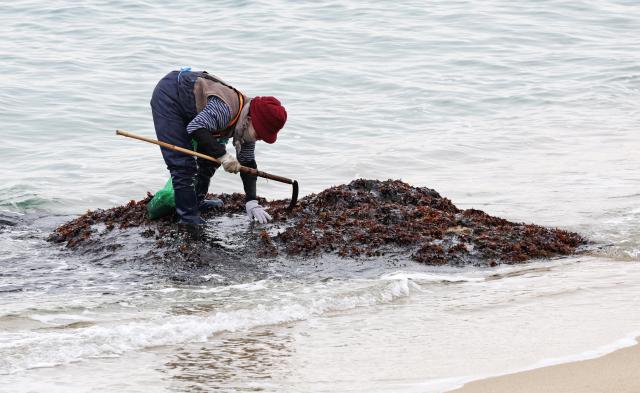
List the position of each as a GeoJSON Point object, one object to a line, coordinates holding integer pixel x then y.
{"type": "Point", "coordinates": [187, 207]}
{"type": "Point", "coordinates": [191, 231]}
{"type": "Point", "coordinates": [203, 179]}
{"type": "Point", "coordinates": [208, 204]}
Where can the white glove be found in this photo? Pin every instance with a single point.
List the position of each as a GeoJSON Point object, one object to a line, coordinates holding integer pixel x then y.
{"type": "Point", "coordinates": [229, 163]}
{"type": "Point", "coordinates": [256, 211]}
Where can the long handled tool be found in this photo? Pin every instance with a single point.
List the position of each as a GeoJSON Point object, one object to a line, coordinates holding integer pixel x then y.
{"type": "Point", "coordinates": [243, 169]}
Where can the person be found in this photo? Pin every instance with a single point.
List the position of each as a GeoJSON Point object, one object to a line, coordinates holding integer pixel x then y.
{"type": "Point", "coordinates": [188, 105]}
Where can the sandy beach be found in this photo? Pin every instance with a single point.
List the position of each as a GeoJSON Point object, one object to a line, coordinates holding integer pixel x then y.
{"type": "Point", "coordinates": [616, 372]}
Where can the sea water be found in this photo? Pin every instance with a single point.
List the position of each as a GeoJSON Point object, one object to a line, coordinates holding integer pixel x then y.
{"type": "Point", "coordinates": [527, 110]}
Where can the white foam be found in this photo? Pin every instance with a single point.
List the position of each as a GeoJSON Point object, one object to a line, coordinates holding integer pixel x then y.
{"type": "Point", "coordinates": [248, 287]}
{"type": "Point", "coordinates": [60, 318]}
{"type": "Point", "coordinates": [213, 276]}
{"type": "Point", "coordinates": [625, 342]}
{"type": "Point", "coordinates": [434, 277]}
{"type": "Point", "coordinates": [37, 348]}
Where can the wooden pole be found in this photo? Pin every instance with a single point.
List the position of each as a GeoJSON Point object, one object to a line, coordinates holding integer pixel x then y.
{"type": "Point", "coordinates": [243, 169]}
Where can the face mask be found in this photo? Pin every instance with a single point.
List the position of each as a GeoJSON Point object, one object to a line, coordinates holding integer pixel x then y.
{"type": "Point", "coordinates": [246, 132]}
{"type": "Point", "coordinates": [249, 134]}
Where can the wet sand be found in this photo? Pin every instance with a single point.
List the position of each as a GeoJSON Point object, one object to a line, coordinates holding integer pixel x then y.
{"type": "Point", "coordinates": [617, 372]}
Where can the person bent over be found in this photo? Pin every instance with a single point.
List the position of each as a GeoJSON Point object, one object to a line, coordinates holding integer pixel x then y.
{"type": "Point", "coordinates": [194, 105]}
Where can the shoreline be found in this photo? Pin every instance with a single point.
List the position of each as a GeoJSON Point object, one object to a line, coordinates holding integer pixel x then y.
{"type": "Point", "coordinates": [615, 371]}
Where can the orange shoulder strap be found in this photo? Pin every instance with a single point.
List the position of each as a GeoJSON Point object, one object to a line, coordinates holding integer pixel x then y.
{"type": "Point", "coordinates": [237, 116]}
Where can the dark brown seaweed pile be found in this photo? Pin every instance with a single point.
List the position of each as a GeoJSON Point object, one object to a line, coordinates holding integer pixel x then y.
{"type": "Point", "coordinates": [366, 218]}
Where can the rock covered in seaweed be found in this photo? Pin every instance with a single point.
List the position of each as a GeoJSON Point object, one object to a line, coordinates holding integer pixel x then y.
{"type": "Point", "coordinates": [365, 218]}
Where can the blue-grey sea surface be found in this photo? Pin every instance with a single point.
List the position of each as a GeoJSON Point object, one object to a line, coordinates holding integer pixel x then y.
{"type": "Point", "coordinates": [527, 110]}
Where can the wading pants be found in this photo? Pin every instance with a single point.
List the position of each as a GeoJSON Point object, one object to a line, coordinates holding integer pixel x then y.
{"type": "Point", "coordinates": [173, 107]}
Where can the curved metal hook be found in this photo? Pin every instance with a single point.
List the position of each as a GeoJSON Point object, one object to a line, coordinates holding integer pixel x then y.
{"type": "Point", "coordinates": [294, 195]}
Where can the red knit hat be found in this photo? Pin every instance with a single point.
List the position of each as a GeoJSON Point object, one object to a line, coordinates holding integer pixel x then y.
{"type": "Point", "coordinates": [267, 117]}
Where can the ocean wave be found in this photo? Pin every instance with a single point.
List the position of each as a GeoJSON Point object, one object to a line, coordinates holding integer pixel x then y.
{"type": "Point", "coordinates": [32, 349]}
{"type": "Point", "coordinates": [434, 277]}
{"type": "Point", "coordinates": [21, 200]}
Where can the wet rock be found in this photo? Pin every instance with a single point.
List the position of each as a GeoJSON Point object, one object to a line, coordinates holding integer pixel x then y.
{"type": "Point", "coordinates": [362, 219]}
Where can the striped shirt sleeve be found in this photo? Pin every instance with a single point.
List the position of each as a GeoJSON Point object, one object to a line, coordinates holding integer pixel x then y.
{"type": "Point", "coordinates": [215, 116]}
{"type": "Point", "coordinates": [247, 152]}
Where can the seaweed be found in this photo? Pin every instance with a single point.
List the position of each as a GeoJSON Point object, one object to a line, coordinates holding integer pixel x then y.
{"type": "Point", "coordinates": [365, 218]}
